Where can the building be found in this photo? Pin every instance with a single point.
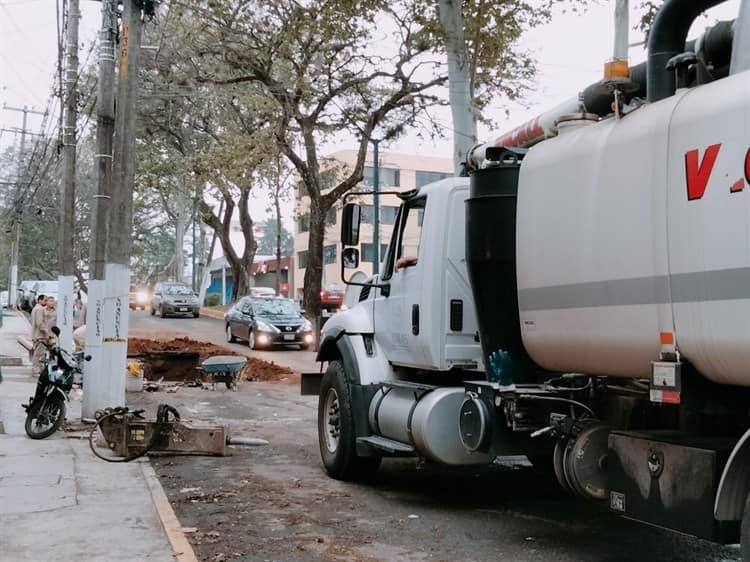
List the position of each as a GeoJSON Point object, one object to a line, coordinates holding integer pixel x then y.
{"type": "Point", "coordinates": [218, 277]}
{"type": "Point", "coordinates": [397, 172]}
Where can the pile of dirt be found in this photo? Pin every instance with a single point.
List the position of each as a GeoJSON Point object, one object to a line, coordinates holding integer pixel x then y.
{"type": "Point", "coordinates": [142, 346]}
{"type": "Point", "coordinates": [178, 359]}
{"type": "Point", "coordinates": [259, 370]}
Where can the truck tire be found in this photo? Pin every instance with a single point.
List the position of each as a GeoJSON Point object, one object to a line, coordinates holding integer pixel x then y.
{"type": "Point", "coordinates": [745, 531]}
{"type": "Point", "coordinates": [336, 435]}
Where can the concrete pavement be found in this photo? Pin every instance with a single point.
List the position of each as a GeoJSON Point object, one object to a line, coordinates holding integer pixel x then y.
{"type": "Point", "coordinates": [59, 502]}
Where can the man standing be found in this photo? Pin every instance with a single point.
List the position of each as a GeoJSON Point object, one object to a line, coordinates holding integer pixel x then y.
{"type": "Point", "coordinates": [40, 334]}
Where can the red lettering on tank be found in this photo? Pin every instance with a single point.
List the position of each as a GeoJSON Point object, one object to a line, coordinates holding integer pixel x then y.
{"type": "Point", "coordinates": [747, 166]}
{"type": "Point", "coordinates": [697, 172]}
{"type": "Point", "coordinates": [737, 186]}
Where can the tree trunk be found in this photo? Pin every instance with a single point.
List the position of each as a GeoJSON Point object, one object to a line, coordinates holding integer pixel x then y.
{"type": "Point", "coordinates": [460, 86]}
{"type": "Point", "coordinates": [314, 269]}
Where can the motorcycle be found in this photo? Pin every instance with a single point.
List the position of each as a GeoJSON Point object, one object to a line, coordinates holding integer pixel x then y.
{"type": "Point", "coordinates": [45, 411]}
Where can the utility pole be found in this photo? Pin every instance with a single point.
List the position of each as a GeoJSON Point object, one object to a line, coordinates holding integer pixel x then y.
{"type": "Point", "coordinates": [67, 209]}
{"type": "Point", "coordinates": [15, 235]}
{"type": "Point", "coordinates": [117, 269]}
{"type": "Point", "coordinates": [375, 207]}
{"type": "Point", "coordinates": [96, 391]}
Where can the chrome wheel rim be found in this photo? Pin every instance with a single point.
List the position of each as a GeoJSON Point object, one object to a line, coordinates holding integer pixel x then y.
{"type": "Point", "coordinates": [332, 420]}
{"type": "Point", "coordinates": [229, 333]}
{"type": "Point", "coordinates": [251, 340]}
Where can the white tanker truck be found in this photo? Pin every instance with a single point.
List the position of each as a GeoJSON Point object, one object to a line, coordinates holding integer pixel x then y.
{"type": "Point", "coordinates": [581, 298]}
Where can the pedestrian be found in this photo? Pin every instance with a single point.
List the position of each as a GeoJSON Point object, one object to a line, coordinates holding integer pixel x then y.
{"type": "Point", "coordinates": [79, 311]}
{"type": "Point", "coordinates": [40, 334]}
{"type": "Point", "coordinates": [50, 314]}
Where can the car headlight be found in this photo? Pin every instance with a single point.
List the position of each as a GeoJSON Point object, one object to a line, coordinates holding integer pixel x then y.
{"type": "Point", "coordinates": [141, 297]}
{"type": "Point", "coordinates": [306, 326]}
{"type": "Point", "coordinates": [263, 327]}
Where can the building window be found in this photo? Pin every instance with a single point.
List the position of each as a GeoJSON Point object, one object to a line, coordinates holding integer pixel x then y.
{"type": "Point", "coordinates": [390, 177]}
{"type": "Point", "coordinates": [423, 178]}
{"type": "Point", "coordinates": [367, 212]}
{"type": "Point", "coordinates": [329, 254]}
{"type": "Point", "coordinates": [367, 251]}
{"type": "Point", "coordinates": [304, 223]}
{"type": "Point", "coordinates": [302, 259]}
{"type": "Point", "coordinates": [387, 214]}
{"type": "Point", "coordinates": [331, 216]}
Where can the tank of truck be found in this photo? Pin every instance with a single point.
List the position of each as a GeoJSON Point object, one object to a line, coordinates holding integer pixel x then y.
{"type": "Point", "coordinates": [633, 237]}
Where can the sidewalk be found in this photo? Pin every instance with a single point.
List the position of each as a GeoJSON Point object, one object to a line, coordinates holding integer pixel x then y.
{"type": "Point", "coordinates": [59, 502]}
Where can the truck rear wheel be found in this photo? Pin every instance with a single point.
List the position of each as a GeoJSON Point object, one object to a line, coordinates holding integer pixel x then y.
{"type": "Point", "coordinates": [336, 434]}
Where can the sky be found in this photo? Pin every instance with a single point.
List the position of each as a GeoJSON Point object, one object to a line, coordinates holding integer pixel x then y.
{"type": "Point", "coordinates": [570, 51]}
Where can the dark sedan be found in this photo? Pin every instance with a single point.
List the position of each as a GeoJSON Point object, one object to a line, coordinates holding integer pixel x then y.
{"type": "Point", "coordinates": [268, 321]}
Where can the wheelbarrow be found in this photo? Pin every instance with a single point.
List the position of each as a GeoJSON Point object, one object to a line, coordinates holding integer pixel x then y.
{"type": "Point", "coordinates": [223, 368]}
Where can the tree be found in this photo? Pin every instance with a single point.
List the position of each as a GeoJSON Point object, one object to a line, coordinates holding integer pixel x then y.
{"type": "Point", "coordinates": [317, 64]}
{"type": "Point", "coordinates": [267, 243]}
{"type": "Point", "coordinates": [485, 62]}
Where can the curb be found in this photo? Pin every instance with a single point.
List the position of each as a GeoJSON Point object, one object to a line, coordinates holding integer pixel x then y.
{"type": "Point", "coordinates": [181, 548]}
{"type": "Point", "coordinates": [216, 314]}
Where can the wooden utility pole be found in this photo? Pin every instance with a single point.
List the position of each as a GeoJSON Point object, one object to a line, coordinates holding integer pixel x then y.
{"type": "Point", "coordinates": [96, 391]}
{"type": "Point", "coordinates": [67, 208]}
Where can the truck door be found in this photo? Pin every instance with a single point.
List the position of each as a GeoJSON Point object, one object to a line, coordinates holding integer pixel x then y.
{"type": "Point", "coordinates": [397, 307]}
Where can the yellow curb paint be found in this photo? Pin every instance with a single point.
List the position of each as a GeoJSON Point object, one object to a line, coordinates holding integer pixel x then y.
{"type": "Point", "coordinates": [181, 548]}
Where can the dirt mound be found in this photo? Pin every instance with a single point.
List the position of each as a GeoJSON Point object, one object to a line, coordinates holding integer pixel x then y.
{"type": "Point", "coordinates": [177, 360]}
{"type": "Point", "coordinates": [259, 370]}
{"type": "Point", "coordinates": [142, 346]}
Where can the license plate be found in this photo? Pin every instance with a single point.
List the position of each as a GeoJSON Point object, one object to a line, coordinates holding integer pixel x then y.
{"type": "Point", "coordinates": [183, 309]}
{"type": "Point", "coordinates": [289, 337]}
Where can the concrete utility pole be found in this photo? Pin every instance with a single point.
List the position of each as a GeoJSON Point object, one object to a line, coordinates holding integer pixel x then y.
{"type": "Point", "coordinates": [95, 391]}
{"type": "Point", "coordinates": [117, 270]}
{"type": "Point", "coordinates": [375, 207]}
{"type": "Point", "coordinates": [15, 235]}
{"type": "Point", "coordinates": [67, 209]}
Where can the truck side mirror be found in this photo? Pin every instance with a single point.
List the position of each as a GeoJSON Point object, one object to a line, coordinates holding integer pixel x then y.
{"type": "Point", "coordinates": [350, 220]}
{"type": "Point", "coordinates": [350, 258]}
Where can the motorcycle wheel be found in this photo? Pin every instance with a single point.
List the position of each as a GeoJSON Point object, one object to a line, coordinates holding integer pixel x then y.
{"type": "Point", "coordinates": [45, 417]}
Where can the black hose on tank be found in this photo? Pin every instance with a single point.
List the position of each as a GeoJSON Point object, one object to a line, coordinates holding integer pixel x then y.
{"type": "Point", "coordinates": [666, 40]}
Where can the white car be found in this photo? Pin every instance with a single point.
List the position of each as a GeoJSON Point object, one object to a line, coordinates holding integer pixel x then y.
{"type": "Point", "coordinates": [3, 299]}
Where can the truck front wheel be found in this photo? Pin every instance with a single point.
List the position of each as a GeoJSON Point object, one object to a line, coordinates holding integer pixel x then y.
{"type": "Point", "coordinates": [336, 434]}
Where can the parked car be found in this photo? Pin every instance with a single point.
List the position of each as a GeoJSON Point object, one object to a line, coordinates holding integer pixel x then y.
{"type": "Point", "coordinates": [267, 322]}
{"type": "Point", "coordinates": [138, 298]}
{"type": "Point", "coordinates": [46, 288]}
{"type": "Point", "coordinates": [171, 298]}
{"type": "Point", "coordinates": [262, 292]}
{"type": "Point", "coordinates": [23, 298]}
{"type": "Point", "coordinates": [3, 299]}
{"type": "Point", "coordinates": [331, 297]}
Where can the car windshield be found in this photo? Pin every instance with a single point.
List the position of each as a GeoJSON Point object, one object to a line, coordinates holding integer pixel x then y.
{"type": "Point", "coordinates": [48, 287]}
{"type": "Point", "coordinates": [178, 290]}
{"type": "Point", "coordinates": [277, 307]}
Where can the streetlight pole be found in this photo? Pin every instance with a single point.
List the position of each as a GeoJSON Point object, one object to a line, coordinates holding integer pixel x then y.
{"type": "Point", "coordinates": [375, 208]}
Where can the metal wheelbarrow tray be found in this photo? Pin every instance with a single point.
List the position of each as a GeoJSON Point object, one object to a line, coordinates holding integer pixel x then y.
{"type": "Point", "coordinates": [224, 368]}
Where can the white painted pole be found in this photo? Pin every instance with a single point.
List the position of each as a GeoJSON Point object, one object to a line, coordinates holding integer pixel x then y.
{"type": "Point", "coordinates": [65, 311]}
{"type": "Point", "coordinates": [223, 285]}
{"type": "Point", "coordinates": [95, 380]}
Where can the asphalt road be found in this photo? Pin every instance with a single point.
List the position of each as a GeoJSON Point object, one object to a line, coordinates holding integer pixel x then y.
{"type": "Point", "coordinates": [277, 503]}
{"type": "Point", "coordinates": [142, 324]}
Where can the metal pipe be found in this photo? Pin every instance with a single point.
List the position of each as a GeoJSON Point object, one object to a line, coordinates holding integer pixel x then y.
{"type": "Point", "coordinates": [666, 40]}
{"type": "Point", "coordinates": [622, 27]}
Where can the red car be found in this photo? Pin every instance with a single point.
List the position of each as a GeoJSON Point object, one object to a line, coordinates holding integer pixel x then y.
{"type": "Point", "coordinates": [331, 297]}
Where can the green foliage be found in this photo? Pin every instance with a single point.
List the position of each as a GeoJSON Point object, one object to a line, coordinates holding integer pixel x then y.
{"type": "Point", "coordinates": [267, 242]}
{"type": "Point", "coordinates": [213, 299]}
